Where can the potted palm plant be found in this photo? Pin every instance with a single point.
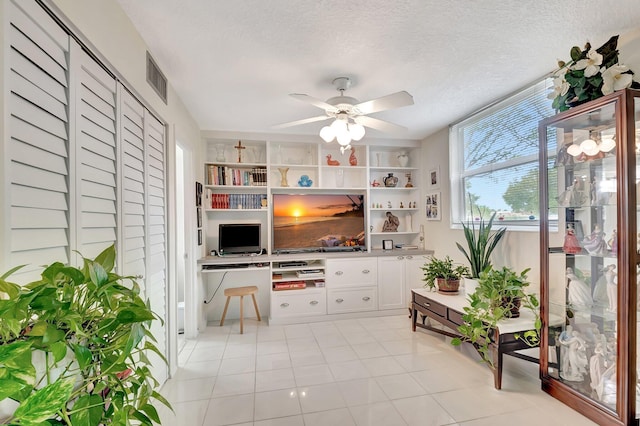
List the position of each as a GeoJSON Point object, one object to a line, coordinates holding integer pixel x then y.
{"type": "Point", "coordinates": [500, 294]}
{"type": "Point", "coordinates": [444, 273]}
{"type": "Point", "coordinates": [73, 348]}
{"type": "Point", "coordinates": [480, 245]}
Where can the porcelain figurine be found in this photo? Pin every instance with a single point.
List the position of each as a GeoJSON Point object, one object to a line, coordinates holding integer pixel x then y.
{"type": "Point", "coordinates": [352, 158]}
{"type": "Point", "coordinates": [391, 224]}
{"type": "Point", "coordinates": [571, 244]}
{"type": "Point", "coordinates": [611, 278]}
{"type": "Point", "coordinates": [595, 243]}
{"type": "Point", "coordinates": [579, 292]}
{"type": "Point", "coordinates": [573, 357]}
{"type": "Point", "coordinates": [332, 162]}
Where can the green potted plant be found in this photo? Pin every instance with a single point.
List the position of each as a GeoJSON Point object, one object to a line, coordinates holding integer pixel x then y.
{"type": "Point", "coordinates": [444, 273]}
{"type": "Point", "coordinates": [480, 245]}
{"type": "Point", "coordinates": [74, 345]}
{"type": "Point", "coordinates": [500, 294]}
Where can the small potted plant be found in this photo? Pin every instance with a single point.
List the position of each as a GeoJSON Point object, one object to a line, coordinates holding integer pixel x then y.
{"type": "Point", "coordinates": [500, 294]}
{"type": "Point", "coordinates": [480, 245]}
{"type": "Point", "coordinates": [75, 346]}
{"type": "Point", "coordinates": [444, 273]}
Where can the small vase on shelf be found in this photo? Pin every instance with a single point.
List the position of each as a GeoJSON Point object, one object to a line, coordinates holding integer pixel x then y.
{"type": "Point", "coordinates": [220, 153]}
{"type": "Point", "coordinates": [283, 176]}
{"type": "Point", "coordinates": [403, 159]}
{"type": "Point", "coordinates": [390, 181]}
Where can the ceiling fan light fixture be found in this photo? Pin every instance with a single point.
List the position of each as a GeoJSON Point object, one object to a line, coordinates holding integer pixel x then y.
{"type": "Point", "coordinates": [344, 138]}
{"type": "Point", "coordinates": [356, 131]}
{"type": "Point", "coordinates": [327, 134]}
{"type": "Point", "coordinates": [339, 125]}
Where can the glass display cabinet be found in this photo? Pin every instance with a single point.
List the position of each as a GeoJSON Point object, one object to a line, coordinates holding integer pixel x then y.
{"type": "Point", "coordinates": [589, 246]}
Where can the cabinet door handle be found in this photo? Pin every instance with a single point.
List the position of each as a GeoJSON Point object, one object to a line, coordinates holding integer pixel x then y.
{"type": "Point", "coordinates": [365, 271]}
{"type": "Point", "coordinates": [313, 302]}
{"type": "Point", "coordinates": [366, 298]}
{"type": "Point", "coordinates": [284, 305]}
{"type": "Point", "coordinates": [426, 305]}
{"type": "Point", "coordinates": [400, 257]}
{"type": "Point", "coordinates": [339, 272]}
{"type": "Point", "coordinates": [339, 300]}
{"type": "Point", "coordinates": [409, 257]}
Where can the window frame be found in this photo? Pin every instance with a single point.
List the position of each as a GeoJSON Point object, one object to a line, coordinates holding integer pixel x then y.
{"type": "Point", "coordinates": [458, 174]}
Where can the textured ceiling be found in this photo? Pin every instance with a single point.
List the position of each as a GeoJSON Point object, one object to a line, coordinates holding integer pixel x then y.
{"type": "Point", "coordinates": [234, 63]}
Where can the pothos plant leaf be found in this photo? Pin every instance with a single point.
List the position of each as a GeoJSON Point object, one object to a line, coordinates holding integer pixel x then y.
{"type": "Point", "coordinates": [87, 411]}
{"type": "Point", "coordinates": [45, 402]}
{"type": "Point", "coordinates": [103, 321]}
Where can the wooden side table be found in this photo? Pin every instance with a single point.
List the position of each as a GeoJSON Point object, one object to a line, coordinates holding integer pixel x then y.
{"type": "Point", "coordinates": [448, 311]}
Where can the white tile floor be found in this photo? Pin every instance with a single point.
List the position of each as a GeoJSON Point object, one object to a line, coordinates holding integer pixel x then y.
{"type": "Point", "coordinates": [362, 372]}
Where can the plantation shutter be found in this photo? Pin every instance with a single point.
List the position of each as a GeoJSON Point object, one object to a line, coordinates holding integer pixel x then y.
{"type": "Point", "coordinates": [95, 147]}
{"type": "Point", "coordinates": [133, 187]}
{"type": "Point", "coordinates": [154, 136]}
{"type": "Point", "coordinates": [38, 155]}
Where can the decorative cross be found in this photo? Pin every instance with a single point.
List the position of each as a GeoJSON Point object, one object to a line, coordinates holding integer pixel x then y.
{"type": "Point", "coordinates": [239, 147]}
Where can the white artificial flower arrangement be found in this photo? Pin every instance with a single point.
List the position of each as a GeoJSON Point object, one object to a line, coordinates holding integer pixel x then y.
{"type": "Point", "coordinates": [590, 74]}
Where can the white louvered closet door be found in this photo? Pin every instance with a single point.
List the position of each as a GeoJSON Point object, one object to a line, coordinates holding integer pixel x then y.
{"type": "Point", "coordinates": [95, 155]}
{"type": "Point", "coordinates": [38, 163]}
{"type": "Point", "coordinates": [154, 136]}
{"type": "Point", "coordinates": [134, 235]}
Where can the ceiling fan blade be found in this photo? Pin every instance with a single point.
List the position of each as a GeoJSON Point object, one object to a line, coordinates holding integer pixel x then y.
{"type": "Point", "coordinates": [375, 123]}
{"type": "Point", "coordinates": [298, 122]}
{"type": "Point", "coordinates": [394, 100]}
{"type": "Point", "coordinates": [313, 101]}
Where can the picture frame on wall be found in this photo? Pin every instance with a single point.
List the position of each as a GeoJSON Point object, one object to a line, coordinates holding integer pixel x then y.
{"type": "Point", "coordinates": [434, 177]}
{"type": "Point", "coordinates": [433, 207]}
{"type": "Point", "coordinates": [199, 237]}
{"type": "Point", "coordinates": [387, 244]}
{"type": "Point", "coordinates": [199, 188]}
{"type": "Point", "coordinates": [199, 216]}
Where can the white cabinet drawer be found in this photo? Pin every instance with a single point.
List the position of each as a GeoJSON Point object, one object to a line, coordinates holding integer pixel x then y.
{"type": "Point", "coordinates": [352, 300]}
{"type": "Point", "coordinates": [351, 272]}
{"type": "Point", "coordinates": [298, 303]}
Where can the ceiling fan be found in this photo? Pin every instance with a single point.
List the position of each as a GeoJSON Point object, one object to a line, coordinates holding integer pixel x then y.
{"type": "Point", "coordinates": [350, 115]}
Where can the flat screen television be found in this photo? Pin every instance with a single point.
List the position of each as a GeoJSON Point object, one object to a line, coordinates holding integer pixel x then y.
{"type": "Point", "coordinates": [318, 222]}
{"type": "Point", "coordinates": [239, 238]}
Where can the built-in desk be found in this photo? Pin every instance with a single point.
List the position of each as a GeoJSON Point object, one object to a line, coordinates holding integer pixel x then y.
{"type": "Point", "coordinates": [448, 310]}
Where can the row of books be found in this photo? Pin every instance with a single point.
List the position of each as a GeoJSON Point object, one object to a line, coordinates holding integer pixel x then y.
{"type": "Point", "coordinates": [296, 285]}
{"type": "Point", "coordinates": [290, 285]}
{"type": "Point", "coordinates": [238, 201]}
{"type": "Point", "coordinates": [225, 175]}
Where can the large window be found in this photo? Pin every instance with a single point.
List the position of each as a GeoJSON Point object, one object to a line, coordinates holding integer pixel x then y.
{"type": "Point", "coordinates": [494, 159]}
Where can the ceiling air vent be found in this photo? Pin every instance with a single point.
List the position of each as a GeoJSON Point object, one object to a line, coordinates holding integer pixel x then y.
{"type": "Point", "coordinates": [156, 79]}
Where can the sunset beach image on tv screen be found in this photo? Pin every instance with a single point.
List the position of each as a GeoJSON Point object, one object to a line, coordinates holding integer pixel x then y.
{"type": "Point", "coordinates": [304, 221]}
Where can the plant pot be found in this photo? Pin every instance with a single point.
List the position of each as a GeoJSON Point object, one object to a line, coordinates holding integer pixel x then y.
{"type": "Point", "coordinates": [514, 303]}
{"type": "Point", "coordinates": [448, 286]}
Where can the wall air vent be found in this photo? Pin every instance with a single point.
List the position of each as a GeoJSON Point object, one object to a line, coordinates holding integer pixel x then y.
{"type": "Point", "coordinates": [156, 79]}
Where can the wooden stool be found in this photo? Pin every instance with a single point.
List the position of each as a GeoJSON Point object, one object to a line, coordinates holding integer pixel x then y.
{"type": "Point", "coordinates": [240, 291]}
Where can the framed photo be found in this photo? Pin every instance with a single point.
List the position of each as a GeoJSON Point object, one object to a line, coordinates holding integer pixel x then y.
{"type": "Point", "coordinates": [387, 244]}
{"type": "Point", "coordinates": [199, 216]}
{"type": "Point", "coordinates": [433, 207]}
{"type": "Point", "coordinates": [199, 237]}
{"type": "Point", "coordinates": [198, 194]}
{"type": "Point", "coordinates": [434, 178]}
